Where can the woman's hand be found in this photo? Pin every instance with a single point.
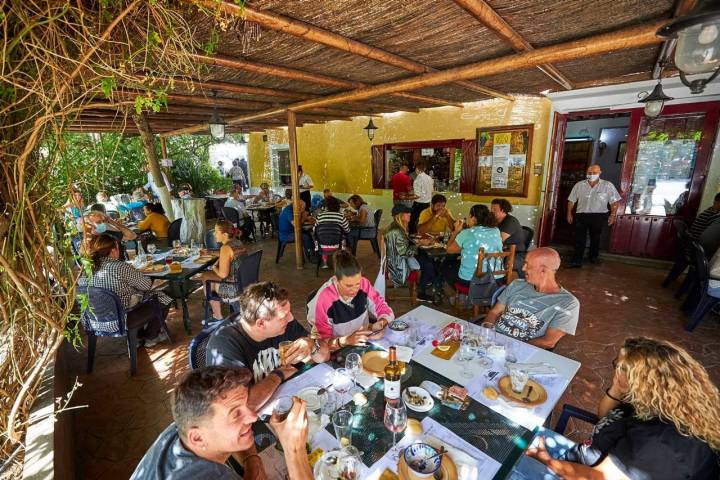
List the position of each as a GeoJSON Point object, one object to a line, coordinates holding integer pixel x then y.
{"type": "Point", "coordinates": [539, 452]}
{"type": "Point", "coordinates": [358, 338]}
{"type": "Point", "coordinates": [378, 328]}
{"type": "Point", "coordinates": [458, 226]}
{"type": "Point", "coordinates": [619, 387]}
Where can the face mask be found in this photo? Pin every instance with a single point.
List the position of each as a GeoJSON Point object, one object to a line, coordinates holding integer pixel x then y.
{"type": "Point", "coordinates": [100, 227]}
{"type": "Point", "coordinates": [594, 177]}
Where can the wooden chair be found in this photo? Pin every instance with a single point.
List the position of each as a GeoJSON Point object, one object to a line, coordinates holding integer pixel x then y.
{"type": "Point", "coordinates": [505, 259]}
{"type": "Point", "coordinates": [412, 279]}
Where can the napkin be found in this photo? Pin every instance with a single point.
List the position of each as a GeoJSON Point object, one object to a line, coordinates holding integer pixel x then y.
{"type": "Point", "coordinates": [533, 368]}
{"type": "Point", "coordinates": [365, 380]}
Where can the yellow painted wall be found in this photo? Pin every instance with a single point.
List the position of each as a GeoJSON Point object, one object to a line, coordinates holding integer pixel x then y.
{"type": "Point", "coordinates": [337, 154]}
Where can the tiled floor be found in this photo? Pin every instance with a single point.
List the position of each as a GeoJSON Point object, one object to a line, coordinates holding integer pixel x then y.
{"type": "Point", "coordinates": [125, 414]}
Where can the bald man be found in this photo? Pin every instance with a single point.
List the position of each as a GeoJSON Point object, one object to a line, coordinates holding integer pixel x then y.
{"type": "Point", "coordinates": [592, 197]}
{"type": "Point", "coordinates": [536, 310]}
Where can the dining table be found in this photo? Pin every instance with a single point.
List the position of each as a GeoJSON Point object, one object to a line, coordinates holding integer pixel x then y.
{"type": "Point", "coordinates": [180, 285]}
{"type": "Point", "coordinates": [484, 440]}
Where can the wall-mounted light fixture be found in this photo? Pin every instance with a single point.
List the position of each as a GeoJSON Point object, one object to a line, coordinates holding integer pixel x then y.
{"type": "Point", "coordinates": [698, 43]}
{"type": "Point", "coordinates": [370, 127]}
{"type": "Point", "coordinates": [654, 101]}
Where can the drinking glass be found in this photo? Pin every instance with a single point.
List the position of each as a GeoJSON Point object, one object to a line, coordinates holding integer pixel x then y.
{"type": "Point", "coordinates": [353, 363]}
{"type": "Point", "coordinates": [395, 421]}
{"type": "Point", "coordinates": [466, 354]}
{"type": "Point", "coordinates": [519, 379]}
{"type": "Point", "coordinates": [151, 248]}
{"type": "Point", "coordinates": [342, 422]}
{"type": "Point", "coordinates": [342, 381]}
{"type": "Point", "coordinates": [282, 408]}
{"type": "Point", "coordinates": [282, 350]}
{"type": "Point", "coordinates": [487, 334]}
{"type": "Point", "coordinates": [177, 243]}
{"type": "Point", "coordinates": [510, 351]}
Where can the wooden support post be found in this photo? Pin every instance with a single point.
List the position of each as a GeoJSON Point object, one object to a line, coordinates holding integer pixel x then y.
{"type": "Point", "coordinates": [149, 144]}
{"type": "Point", "coordinates": [164, 153]}
{"type": "Point", "coordinates": [292, 143]}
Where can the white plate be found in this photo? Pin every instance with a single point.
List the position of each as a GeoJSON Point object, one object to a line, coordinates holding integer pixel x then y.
{"type": "Point", "coordinates": [428, 402]}
{"type": "Point", "coordinates": [313, 400]}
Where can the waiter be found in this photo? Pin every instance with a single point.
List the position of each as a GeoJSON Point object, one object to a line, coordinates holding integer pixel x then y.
{"type": "Point", "coordinates": [592, 197]}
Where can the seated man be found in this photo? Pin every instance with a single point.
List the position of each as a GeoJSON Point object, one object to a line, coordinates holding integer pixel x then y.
{"type": "Point", "coordinates": [536, 310]}
{"type": "Point", "coordinates": [511, 231]}
{"type": "Point", "coordinates": [436, 219]}
{"type": "Point", "coordinates": [212, 420]}
{"type": "Point", "coordinates": [347, 308]}
{"type": "Point", "coordinates": [327, 193]}
{"type": "Point", "coordinates": [252, 337]}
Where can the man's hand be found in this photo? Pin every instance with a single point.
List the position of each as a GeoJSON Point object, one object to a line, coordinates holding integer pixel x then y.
{"type": "Point", "coordinates": [358, 338]}
{"type": "Point", "coordinates": [570, 218]}
{"type": "Point", "coordinates": [292, 432]}
{"type": "Point", "coordinates": [299, 351]}
{"type": "Point", "coordinates": [611, 219]}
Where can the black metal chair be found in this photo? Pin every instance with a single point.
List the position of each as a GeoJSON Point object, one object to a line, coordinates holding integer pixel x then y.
{"type": "Point", "coordinates": [700, 297]}
{"type": "Point", "coordinates": [210, 241]}
{"type": "Point", "coordinates": [174, 231]}
{"type": "Point", "coordinates": [681, 256]}
{"type": "Point", "coordinates": [529, 235]}
{"type": "Point", "coordinates": [247, 227]}
{"type": "Point", "coordinates": [281, 248]}
{"type": "Point", "coordinates": [370, 233]}
{"type": "Point", "coordinates": [105, 316]}
{"type": "Point", "coordinates": [571, 411]}
{"type": "Point", "coordinates": [138, 213]}
{"type": "Point", "coordinates": [248, 272]}
{"type": "Point", "coordinates": [198, 346]}
{"type": "Point", "coordinates": [329, 238]}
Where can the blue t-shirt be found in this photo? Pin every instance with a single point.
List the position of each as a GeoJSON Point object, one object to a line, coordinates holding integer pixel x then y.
{"type": "Point", "coordinates": [285, 226]}
{"type": "Point", "coordinates": [471, 240]}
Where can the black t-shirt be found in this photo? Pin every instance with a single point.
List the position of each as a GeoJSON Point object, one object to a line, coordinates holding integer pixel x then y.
{"type": "Point", "coordinates": [231, 346]}
{"type": "Point", "coordinates": [646, 449]}
{"type": "Point", "coordinates": [512, 227]}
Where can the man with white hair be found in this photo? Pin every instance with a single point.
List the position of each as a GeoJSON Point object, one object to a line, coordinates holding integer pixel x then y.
{"type": "Point", "coordinates": [536, 310]}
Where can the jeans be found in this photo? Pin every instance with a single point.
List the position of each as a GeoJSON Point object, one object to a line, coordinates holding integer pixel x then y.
{"type": "Point", "coordinates": [528, 468]}
{"type": "Point", "coordinates": [593, 224]}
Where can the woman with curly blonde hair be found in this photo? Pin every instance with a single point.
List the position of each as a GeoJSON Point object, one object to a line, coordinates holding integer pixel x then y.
{"type": "Point", "coordinates": [660, 419]}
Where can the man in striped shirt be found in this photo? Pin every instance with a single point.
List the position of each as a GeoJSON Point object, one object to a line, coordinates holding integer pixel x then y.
{"type": "Point", "coordinates": [705, 218]}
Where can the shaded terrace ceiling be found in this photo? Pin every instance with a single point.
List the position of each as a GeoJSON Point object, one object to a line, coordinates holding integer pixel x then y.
{"type": "Point", "coordinates": [262, 63]}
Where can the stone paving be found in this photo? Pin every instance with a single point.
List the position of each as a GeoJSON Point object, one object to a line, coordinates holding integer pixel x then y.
{"type": "Point", "coordinates": [125, 414]}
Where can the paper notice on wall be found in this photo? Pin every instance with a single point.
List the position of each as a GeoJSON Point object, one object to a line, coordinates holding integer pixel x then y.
{"type": "Point", "coordinates": [485, 161]}
{"type": "Point", "coordinates": [502, 139]}
{"type": "Point", "coordinates": [500, 164]}
{"type": "Point", "coordinates": [517, 160]}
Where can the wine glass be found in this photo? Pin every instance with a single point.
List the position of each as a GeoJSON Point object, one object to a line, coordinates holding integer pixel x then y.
{"type": "Point", "coordinates": [342, 381]}
{"type": "Point", "coordinates": [487, 340]}
{"type": "Point", "coordinates": [151, 248]}
{"type": "Point", "coordinates": [395, 421]}
{"type": "Point", "coordinates": [353, 363]}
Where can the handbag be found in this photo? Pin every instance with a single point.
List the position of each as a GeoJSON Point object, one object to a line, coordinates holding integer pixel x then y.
{"type": "Point", "coordinates": [380, 280]}
{"type": "Point", "coordinates": [482, 289]}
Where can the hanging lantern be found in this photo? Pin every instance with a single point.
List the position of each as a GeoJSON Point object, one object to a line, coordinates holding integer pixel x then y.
{"type": "Point", "coordinates": [698, 43]}
{"type": "Point", "coordinates": [216, 123]}
{"type": "Point", "coordinates": [370, 127]}
{"type": "Point", "coordinates": [655, 101]}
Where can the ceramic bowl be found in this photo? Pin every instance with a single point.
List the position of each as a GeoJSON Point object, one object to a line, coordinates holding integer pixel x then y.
{"type": "Point", "coordinates": [418, 459]}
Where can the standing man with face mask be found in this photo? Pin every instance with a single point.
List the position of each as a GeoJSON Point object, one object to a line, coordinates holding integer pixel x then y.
{"type": "Point", "coordinates": [592, 197]}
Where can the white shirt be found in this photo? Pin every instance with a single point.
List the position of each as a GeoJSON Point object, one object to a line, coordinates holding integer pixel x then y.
{"type": "Point", "coordinates": [237, 174]}
{"type": "Point", "coordinates": [595, 199]}
{"type": "Point", "coordinates": [305, 182]}
{"type": "Point", "coordinates": [153, 187]}
{"type": "Point", "coordinates": [423, 187]}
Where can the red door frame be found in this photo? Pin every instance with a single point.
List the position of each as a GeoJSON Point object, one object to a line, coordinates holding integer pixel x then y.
{"type": "Point", "coordinates": [702, 162]}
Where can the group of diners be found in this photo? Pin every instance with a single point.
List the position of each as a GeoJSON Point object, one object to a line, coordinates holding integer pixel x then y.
{"type": "Point", "coordinates": [668, 432]}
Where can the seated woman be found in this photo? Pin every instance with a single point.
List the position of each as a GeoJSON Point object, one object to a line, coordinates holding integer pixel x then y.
{"type": "Point", "coordinates": [286, 228]}
{"type": "Point", "coordinates": [155, 224]}
{"type": "Point", "coordinates": [347, 308]}
{"type": "Point", "coordinates": [660, 419]}
{"type": "Point", "coordinates": [402, 258]}
{"type": "Point", "coordinates": [264, 195]}
{"type": "Point", "coordinates": [231, 251]}
{"type": "Point", "coordinates": [235, 201]}
{"type": "Point", "coordinates": [362, 219]}
{"type": "Point", "coordinates": [481, 233]}
{"type": "Point", "coordinates": [127, 283]}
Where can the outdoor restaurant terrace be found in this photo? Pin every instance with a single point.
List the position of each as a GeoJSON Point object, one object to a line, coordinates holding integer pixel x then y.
{"type": "Point", "coordinates": [457, 239]}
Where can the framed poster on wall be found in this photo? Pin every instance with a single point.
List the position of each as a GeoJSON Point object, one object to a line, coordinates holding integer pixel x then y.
{"type": "Point", "coordinates": [504, 155]}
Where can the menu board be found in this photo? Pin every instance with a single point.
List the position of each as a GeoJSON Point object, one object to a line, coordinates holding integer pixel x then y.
{"type": "Point", "coordinates": [503, 158]}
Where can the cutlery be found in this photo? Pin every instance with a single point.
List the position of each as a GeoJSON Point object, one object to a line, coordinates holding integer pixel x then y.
{"type": "Point", "coordinates": [325, 389]}
{"type": "Point", "coordinates": [526, 398]}
{"type": "Point", "coordinates": [439, 454]}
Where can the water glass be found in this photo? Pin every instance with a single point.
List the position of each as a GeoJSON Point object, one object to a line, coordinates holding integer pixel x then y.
{"type": "Point", "coordinates": [151, 248]}
{"type": "Point", "coordinates": [395, 420]}
{"type": "Point", "coordinates": [510, 351]}
{"type": "Point", "coordinates": [353, 363]}
{"type": "Point", "coordinates": [519, 379]}
{"type": "Point", "coordinates": [466, 354]}
{"type": "Point", "coordinates": [342, 422]}
{"type": "Point", "coordinates": [487, 334]}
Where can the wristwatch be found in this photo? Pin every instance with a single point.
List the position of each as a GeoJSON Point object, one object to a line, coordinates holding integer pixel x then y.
{"type": "Point", "coordinates": [279, 374]}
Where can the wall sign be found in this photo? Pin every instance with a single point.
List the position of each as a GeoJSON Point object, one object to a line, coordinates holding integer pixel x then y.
{"type": "Point", "coordinates": [504, 160]}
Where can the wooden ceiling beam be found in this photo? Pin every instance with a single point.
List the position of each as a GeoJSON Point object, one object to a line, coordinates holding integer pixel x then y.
{"type": "Point", "coordinates": [627, 38]}
{"type": "Point", "coordinates": [317, 78]}
{"type": "Point", "coordinates": [312, 33]}
{"type": "Point", "coordinates": [488, 17]}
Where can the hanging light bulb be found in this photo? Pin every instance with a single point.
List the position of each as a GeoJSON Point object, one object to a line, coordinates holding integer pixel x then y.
{"type": "Point", "coordinates": [216, 123]}
{"type": "Point", "coordinates": [655, 101]}
{"type": "Point", "coordinates": [698, 43]}
{"type": "Point", "coordinates": [370, 127]}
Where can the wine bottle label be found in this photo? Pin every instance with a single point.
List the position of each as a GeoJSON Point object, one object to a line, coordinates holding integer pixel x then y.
{"type": "Point", "coordinates": [392, 389]}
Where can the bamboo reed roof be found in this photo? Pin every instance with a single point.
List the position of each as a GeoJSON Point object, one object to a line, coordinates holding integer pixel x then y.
{"type": "Point", "coordinates": [430, 34]}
